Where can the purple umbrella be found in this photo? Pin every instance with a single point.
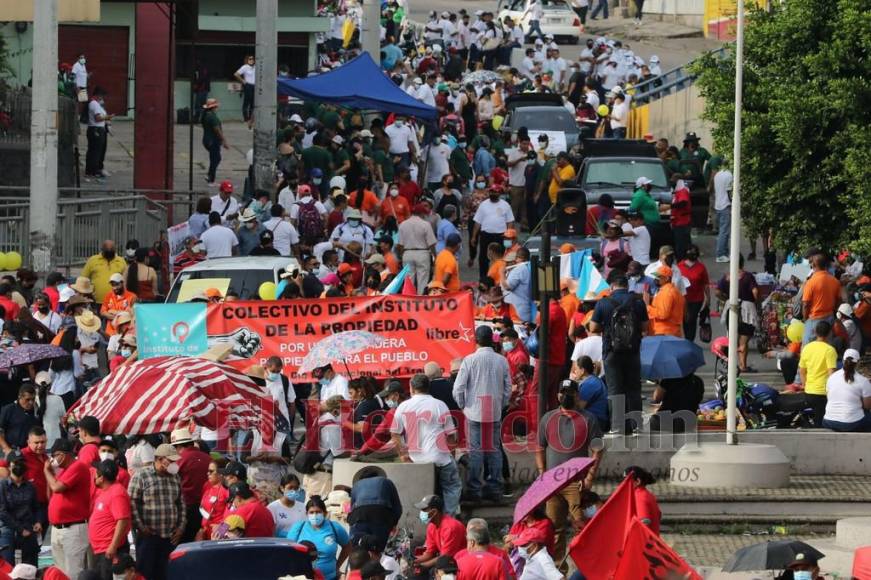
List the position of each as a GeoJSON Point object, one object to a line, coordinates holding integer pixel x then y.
{"type": "Point", "coordinates": [550, 483]}
{"type": "Point", "coordinates": [30, 353]}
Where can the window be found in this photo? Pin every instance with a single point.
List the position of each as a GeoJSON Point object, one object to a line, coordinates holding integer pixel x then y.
{"type": "Point", "coordinates": [626, 172]}
{"type": "Point", "coordinates": [223, 60]}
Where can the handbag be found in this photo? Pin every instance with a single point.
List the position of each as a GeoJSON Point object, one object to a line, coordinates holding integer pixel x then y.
{"type": "Point", "coordinates": [705, 331]}
{"type": "Point", "coordinates": [82, 95]}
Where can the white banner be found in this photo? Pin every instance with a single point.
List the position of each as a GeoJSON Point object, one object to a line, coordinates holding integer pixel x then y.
{"type": "Point", "coordinates": [175, 236]}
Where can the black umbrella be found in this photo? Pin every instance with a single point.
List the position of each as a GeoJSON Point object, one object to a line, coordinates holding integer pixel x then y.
{"type": "Point", "coordinates": [775, 555]}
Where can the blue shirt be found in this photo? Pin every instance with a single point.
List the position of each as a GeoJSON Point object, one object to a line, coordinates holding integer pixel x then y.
{"type": "Point", "coordinates": [484, 162]}
{"type": "Point", "coordinates": [443, 230]}
{"type": "Point", "coordinates": [392, 53]}
{"type": "Point", "coordinates": [594, 393]}
{"type": "Point", "coordinates": [198, 223]}
{"type": "Point", "coordinates": [605, 308]}
{"type": "Point", "coordinates": [519, 290]}
{"type": "Point", "coordinates": [327, 539]}
{"type": "Point", "coordinates": [248, 238]}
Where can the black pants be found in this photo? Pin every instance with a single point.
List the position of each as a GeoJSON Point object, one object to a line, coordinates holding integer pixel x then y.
{"type": "Point", "coordinates": [582, 13]}
{"type": "Point", "coordinates": [96, 150]}
{"type": "Point", "coordinates": [213, 146]}
{"type": "Point", "coordinates": [247, 101]}
{"type": "Point", "coordinates": [623, 375]}
{"type": "Point", "coordinates": [192, 525]}
{"type": "Point", "coordinates": [103, 565]}
{"type": "Point", "coordinates": [682, 241]}
{"type": "Point", "coordinates": [691, 320]}
{"type": "Point", "coordinates": [639, 8]}
{"type": "Point", "coordinates": [484, 239]}
{"type": "Point", "coordinates": [818, 404]}
{"type": "Point", "coordinates": [152, 556]}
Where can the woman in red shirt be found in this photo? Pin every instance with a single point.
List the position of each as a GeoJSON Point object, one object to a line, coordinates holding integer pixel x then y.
{"type": "Point", "coordinates": [646, 506]}
{"type": "Point", "coordinates": [537, 519]}
{"type": "Point", "coordinates": [214, 502]}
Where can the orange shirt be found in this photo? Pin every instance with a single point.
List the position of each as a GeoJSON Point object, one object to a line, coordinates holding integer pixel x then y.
{"type": "Point", "coordinates": [446, 263]}
{"type": "Point", "coordinates": [666, 312]}
{"type": "Point", "coordinates": [497, 271]}
{"type": "Point", "coordinates": [822, 294]}
{"type": "Point", "coordinates": [863, 313]}
{"type": "Point", "coordinates": [395, 206]}
{"type": "Point", "coordinates": [370, 201]}
{"type": "Point", "coordinates": [117, 303]}
{"type": "Point", "coordinates": [489, 312]}
{"type": "Point", "coordinates": [570, 304]}
{"type": "Point", "coordinates": [392, 263]}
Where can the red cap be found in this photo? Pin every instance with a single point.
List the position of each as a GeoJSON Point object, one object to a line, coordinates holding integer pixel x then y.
{"type": "Point", "coordinates": [227, 186]}
{"type": "Point", "coordinates": [344, 268]}
{"type": "Point", "coordinates": [303, 189]}
{"type": "Point", "coordinates": [531, 536]}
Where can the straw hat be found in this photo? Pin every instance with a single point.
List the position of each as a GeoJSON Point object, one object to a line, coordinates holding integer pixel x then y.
{"type": "Point", "coordinates": [83, 285]}
{"type": "Point", "coordinates": [87, 321]}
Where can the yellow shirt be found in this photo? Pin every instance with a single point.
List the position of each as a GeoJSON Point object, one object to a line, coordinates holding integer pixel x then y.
{"type": "Point", "coordinates": [818, 358]}
{"type": "Point", "coordinates": [566, 173]}
{"type": "Point", "coordinates": [99, 270]}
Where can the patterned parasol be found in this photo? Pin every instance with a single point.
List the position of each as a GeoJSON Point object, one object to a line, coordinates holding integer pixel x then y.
{"type": "Point", "coordinates": [338, 347]}
{"type": "Point", "coordinates": [30, 353]}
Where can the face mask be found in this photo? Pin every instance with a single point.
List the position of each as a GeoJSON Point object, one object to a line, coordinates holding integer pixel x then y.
{"type": "Point", "coordinates": [354, 223]}
{"type": "Point", "coordinates": [436, 141]}
{"type": "Point", "coordinates": [508, 346]}
{"type": "Point", "coordinates": [295, 495]}
{"type": "Point", "coordinates": [802, 575]}
{"type": "Point", "coordinates": [461, 145]}
{"type": "Point", "coordinates": [391, 404]}
{"type": "Point", "coordinates": [424, 517]}
{"type": "Point", "coordinates": [109, 254]}
{"type": "Point", "coordinates": [399, 124]}
{"type": "Point", "coordinates": [54, 463]}
{"type": "Point", "coordinates": [126, 352]}
{"type": "Point", "coordinates": [172, 469]}
{"type": "Point", "coordinates": [317, 180]}
{"type": "Point", "coordinates": [590, 511]}
{"type": "Point", "coordinates": [522, 552]}
{"type": "Point", "coordinates": [316, 519]}
{"type": "Point", "coordinates": [324, 381]}
{"type": "Point", "coordinates": [394, 192]}
{"type": "Point", "coordinates": [106, 455]}
{"type": "Point", "coordinates": [18, 470]}
{"type": "Point", "coordinates": [541, 162]}
{"type": "Point", "coordinates": [480, 185]}
{"type": "Point", "coordinates": [81, 61]}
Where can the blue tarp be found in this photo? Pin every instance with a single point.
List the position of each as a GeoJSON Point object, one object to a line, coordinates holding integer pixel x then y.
{"type": "Point", "coordinates": [357, 84]}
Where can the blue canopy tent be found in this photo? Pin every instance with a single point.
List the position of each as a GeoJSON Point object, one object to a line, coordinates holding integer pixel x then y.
{"type": "Point", "coordinates": [357, 84]}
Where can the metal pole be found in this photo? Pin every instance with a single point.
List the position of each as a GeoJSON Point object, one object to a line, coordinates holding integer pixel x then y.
{"type": "Point", "coordinates": [544, 328]}
{"type": "Point", "coordinates": [735, 239]}
{"type": "Point", "coordinates": [265, 92]}
{"type": "Point", "coordinates": [370, 36]}
{"type": "Point", "coordinates": [193, 45]}
{"type": "Point", "coordinates": [43, 136]}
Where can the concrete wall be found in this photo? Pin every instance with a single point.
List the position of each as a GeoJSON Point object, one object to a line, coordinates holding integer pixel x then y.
{"type": "Point", "coordinates": [672, 117]}
{"type": "Point", "coordinates": [685, 12]}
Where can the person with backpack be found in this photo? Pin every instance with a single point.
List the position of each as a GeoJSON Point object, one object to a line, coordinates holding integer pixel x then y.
{"type": "Point", "coordinates": [622, 319]}
{"type": "Point", "coordinates": [327, 537]}
{"type": "Point", "coordinates": [308, 216]}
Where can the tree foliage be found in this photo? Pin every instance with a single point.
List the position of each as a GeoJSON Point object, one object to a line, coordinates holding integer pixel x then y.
{"type": "Point", "coordinates": [806, 138]}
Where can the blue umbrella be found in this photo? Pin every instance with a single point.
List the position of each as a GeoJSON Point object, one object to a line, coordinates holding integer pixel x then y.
{"type": "Point", "coordinates": [669, 357]}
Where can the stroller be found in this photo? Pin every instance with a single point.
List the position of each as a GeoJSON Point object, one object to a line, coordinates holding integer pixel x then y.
{"type": "Point", "coordinates": [759, 405]}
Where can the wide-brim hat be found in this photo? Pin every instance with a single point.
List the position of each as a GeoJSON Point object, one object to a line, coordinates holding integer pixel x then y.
{"type": "Point", "coordinates": [88, 321]}
{"type": "Point", "coordinates": [83, 285]}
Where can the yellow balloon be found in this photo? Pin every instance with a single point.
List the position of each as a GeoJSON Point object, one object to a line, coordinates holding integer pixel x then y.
{"type": "Point", "coordinates": [497, 122]}
{"type": "Point", "coordinates": [603, 110]}
{"type": "Point", "coordinates": [13, 261]}
{"type": "Point", "coordinates": [795, 331]}
{"type": "Point", "coordinates": [267, 291]}
{"type": "Point", "coordinates": [2, 262]}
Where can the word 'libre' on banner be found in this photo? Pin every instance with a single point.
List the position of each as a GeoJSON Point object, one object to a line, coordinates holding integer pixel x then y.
{"type": "Point", "coordinates": [413, 331]}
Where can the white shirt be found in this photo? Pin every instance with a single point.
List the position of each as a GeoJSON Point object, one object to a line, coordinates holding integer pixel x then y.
{"type": "Point", "coordinates": [399, 138]}
{"type": "Point", "coordinates": [294, 209]}
{"type": "Point", "coordinates": [338, 385]}
{"type": "Point", "coordinates": [246, 71]}
{"type": "Point", "coordinates": [80, 71]}
{"type": "Point", "coordinates": [535, 10]}
{"type": "Point", "coordinates": [284, 234]}
{"type": "Point", "coordinates": [285, 517]}
{"type": "Point", "coordinates": [54, 412]}
{"type": "Point", "coordinates": [464, 36]}
{"type": "Point", "coordinates": [516, 35]}
{"type": "Point", "coordinates": [592, 98]}
{"type": "Point", "coordinates": [276, 390]}
{"type": "Point", "coordinates": [425, 422]}
{"type": "Point", "coordinates": [433, 30]}
{"type": "Point", "coordinates": [286, 198]}
{"type": "Point", "coordinates": [448, 31]}
{"type": "Point", "coordinates": [219, 242]}
{"type": "Point", "coordinates": [337, 22]}
{"type": "Point", "coordinates": [526, 67]}
{"type": "Point", "coordinates": [639, 244]}
{"type": "Point", "coordinates": [330, 436]}
{"type": "Point", "coordinates": [437, 162]}
{"type": "Point", "coordinates": [677, 278]}
{"type": "Point", "coordinates": [51, 321]}
{"type": "Point", "coordinates": [346, 233]}
{"type": "Point", "coordinates": [586, 66]}
{"type": "Point", "coordinates": [591, 347]}
{"type": "Point", "coordinates": [424, 94]}
{"type": "Point", "coordinates": [516, 173]}
{"type": "Point", "coordinates": [619, 114]}
{"type": "Point", "coordinates": [94, 109]}
{"type": "Point", "coordinates": [494, 217]}
{"type": "Point", "coordinates": [610, 77]}
{"type": "Point", "coordinates": [722, 189]}
{"type": "Point", "coordinates": [219, 204]}
{"type": "Point", "coordinates": [845, 399]}
{"type": "Point", "coordinates": [541, 567]}
{"type": "Point", "coordinates": [558, 67]}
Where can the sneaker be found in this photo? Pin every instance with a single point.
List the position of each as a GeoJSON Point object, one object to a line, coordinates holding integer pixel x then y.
{"type": "Point", "coordinates": [105, 173]}
{"type": "Point", "coordinates": [212, 183]}
{"type": "Point", "coordinates": [722, 259]}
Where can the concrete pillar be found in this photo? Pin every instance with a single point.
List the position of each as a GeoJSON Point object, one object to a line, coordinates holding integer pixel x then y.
{"type": "Point", "coordinates": [43, 136]}
{"type": "Point", "coordinates": [154, 124]}
{"type": "Point", "coordinates": [748, 465]}
{"type": "Point", "coordinates": [370, 35]}
{"type": "Point", "coordinates": [265, 91]}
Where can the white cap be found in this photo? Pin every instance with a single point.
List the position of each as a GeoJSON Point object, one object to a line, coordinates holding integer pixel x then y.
{"type": "Point", "coordinates": [539, 41]}
{"type": "Point", "coordinates": [66, 294]}
{"type": "Point", "coordinates": [437, 48]}
{"type": "Point", "coordinates": [418, 81]}
{"type": "Point", "coordinates": [654, 59]}
{"type": "Point", "coordinates": [295, 118]}
{"type": "Point", "coordinates": [445, 13]}
{"type": "Point", "coordinates": [617, 90]}
{"type": "Point", "coordinates": [366, 133]}
{"type": "Point", "coordinates": [42, 378]}
{"type": "Point", "coordinates": [852, 354]}
{"type": "Point", "coordinates": [338, 139]}
{"type": "Point", "coordinates": [116, 277]}
{"type": "Point", "coordinates": [479, 12]}
{"type": "Point", "coordinates": [337, 181]}
{"type": "Point", "coordinates": [24, 572]}
{"type": "Point", "coordinates": [642, 181]}
{"type": "Point", "coordinates": [845, 309]}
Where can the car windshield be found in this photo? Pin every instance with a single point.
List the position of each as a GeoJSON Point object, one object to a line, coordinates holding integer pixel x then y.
{"type": "Point", "coordinates": [626, 172]}
{"type": "Point", "coordinates": [245, 283]}
{"type": "Point", "coordinates": [520, 5]}
{"type": "Point", "coordinates": [539, 119]}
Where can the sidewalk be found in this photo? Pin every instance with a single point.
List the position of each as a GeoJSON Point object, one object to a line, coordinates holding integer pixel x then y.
{"type": "Point", "coordinates": [651, 28]}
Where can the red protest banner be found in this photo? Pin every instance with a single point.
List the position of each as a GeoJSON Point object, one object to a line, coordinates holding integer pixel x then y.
{"type": "Point", "coordinates": [414, 331]}
{"type": "Point", "coordinates": [647, 557]}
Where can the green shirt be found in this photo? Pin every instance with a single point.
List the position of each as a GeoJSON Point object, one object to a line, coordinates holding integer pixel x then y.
{"type": "Point", "coordinates": [317, 156]}
{"type": "Point", "coordinates": [646, 205]}
{"type": "Point", "coordinates": [340, 156]}
{"type": "Point", "coordinates": [545, 173]}
{"type": "Point", "coordinates": [331, 120]}
{"type": "Point", "coordinates": [460, 164]}
{"type": "Point", "coordinates": [385, 163]}
{"type": "Point", "coordinates": [694, 161]}
{"type": "Point", "coordinates": [211, 124]}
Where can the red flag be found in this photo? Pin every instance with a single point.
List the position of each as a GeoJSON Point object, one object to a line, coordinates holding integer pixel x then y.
{"type": "Point", "coordinates": [597, 549]}
{"type": "Point", "coordinates": [408, 288]}
{"type": "Point", "coordinates": [647, 557]}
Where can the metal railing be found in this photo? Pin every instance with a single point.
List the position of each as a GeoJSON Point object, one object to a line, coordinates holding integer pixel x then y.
{"type": "Point", "coordinates": [669, 82]}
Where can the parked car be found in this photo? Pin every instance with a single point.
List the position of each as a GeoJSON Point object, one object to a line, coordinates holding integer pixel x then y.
{"type": "Point", "coordinates": [545, 119]}
{"type": "Point", "coordinates": [557, 19]}
{"type": "Point", "coordinates": [245, 274]}
{"type": "Point", "coordinates": [243, 559]}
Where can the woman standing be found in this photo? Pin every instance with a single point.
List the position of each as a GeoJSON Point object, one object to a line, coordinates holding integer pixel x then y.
{"type": "Point", "coordinates": [849, 398]}
{"type": "Point", "coordinates": [214, 501]}
{"type": "Point", "coordinates": [141, 278]}
{"type": "Point", "coordinates": [748, 295]}
{"type": "Point", "coordinates": [327, 536]}
{"type": "Point", "coordinates": [288, 509]}
{"type": "Point", "coordinates": [446, 195]}
{"type": "Point", "coordinates": [646, 506]}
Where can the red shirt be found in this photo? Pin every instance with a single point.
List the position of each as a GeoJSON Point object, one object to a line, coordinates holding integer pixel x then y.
{"type": "Point", "coordinates": [214, 503]}
{"type": "Point", "coordinates": [447, 538]}
{"type": "Point", "coordinates": [110, 505]}
{"type": "Point", "coordinates": [517, 357]}
{"type": "Point", "coordinates": [10, 307]}
{"type": "Point", "coordinates": [697, 275]}
{"type": "Point", "coordinates": [481, 566]}
{"type": "Point", "coordinates": [681, 208]}
{"type": "Point", "coordinates": [559, 330]}
{"type": "Point", "coordinates": [74, 504]}
{"type": "Point", "coordinates": [35, 473]}
{"type": "Point", "coordinates": [89, 453]}
{"type": "Point", "coordinates": [544, 525]}
{"type": "Point", "coordinates": [192, 468]}
{"type": "Point", "coordinates": [335, 219]}
{"type": "Point", "coordinates": [53, 296]}
{"type": "Point", "coordinates": [410, 191]}
{"type": "Point", "coordinates": [647, 508]}
{"type": "Point", "coordinates": [258, 519]}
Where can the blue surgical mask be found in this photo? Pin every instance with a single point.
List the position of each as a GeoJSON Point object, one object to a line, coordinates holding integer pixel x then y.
{"type": "Point", "coordinates": [507, 243]}
{"type": "Point", "coordinates": [480, 184]}
{"type": "Point", "coordinates": [297, 495]}
{"type": "Point", "coordinates": [391, 404]}
{"type": "Point", "coordinates": [273, 376]}
{"type": "Point", "coordinates": [317, 180]}
{"type": "Point", "coordinates": [590, 511]}
{"type": "Point", "coordinates": [802, 575]}
{"type": "Point", "coordinates": [424, 517]}
{"type": "Point", "coordinates": [316, 520]}
{"type": "Point", "coordinates": [324, 381]}
{"type": "Point", "coordinates": [508, 346]}
{"type": "Point", "coordinates": [126, 352]}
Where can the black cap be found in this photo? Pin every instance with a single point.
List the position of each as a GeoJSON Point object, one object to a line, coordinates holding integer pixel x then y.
{"type": "Point", "coordinates": [431, 501]}
{"type": "Point", "coordinates": [241, 489]}
{"type": "Point", "coordinates": [446, 564]}
{"type": "Point", "coordinates": [108, 442]}
{"type": "Point", "coordinates": [90, 424]}
{"type": "Point", "coordinates": [372, 569]}
{"type": "Point", "coordinates": [266, 235]}
{"type": "Point", "coordinates": [124, 563]}
{"type": "Point", "coordinates": [61, 445]}
{"type": "Point", "coordinates": [107, 468]}
{"type": "Point", "coordinates": [237, 469]}
{"type": "Point", "coordinates": [393, 386]}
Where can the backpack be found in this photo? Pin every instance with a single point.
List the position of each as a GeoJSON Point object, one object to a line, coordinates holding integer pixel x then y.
{"type": "Point", "coordinates": [624, 328]}
{"type": "Point", "coordinates": [311, 224]}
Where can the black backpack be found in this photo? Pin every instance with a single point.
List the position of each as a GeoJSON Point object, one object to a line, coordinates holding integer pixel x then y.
{"type": "Point", "coordinates": [624, 328]}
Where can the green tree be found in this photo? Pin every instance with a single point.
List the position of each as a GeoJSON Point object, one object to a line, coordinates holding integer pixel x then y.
{"type": "Point", "coordinates": [806, 139]}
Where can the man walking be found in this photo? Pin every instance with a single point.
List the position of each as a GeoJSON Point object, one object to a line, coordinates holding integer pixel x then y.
{"type": "Point", "coordinates": [68, 508]}
{"type": "Point", "coordinates": [213, 137]}
{"type": "Point", "coordinates": [622, 320]}
{"type": "Point", "coordinates": [416, 245]}
{"type": "Point", "coordinates": [110, 518]}
{"type": "Point", "coordinates": [482, 389]}
{"type": "Point", "coordinates": [723, 209]}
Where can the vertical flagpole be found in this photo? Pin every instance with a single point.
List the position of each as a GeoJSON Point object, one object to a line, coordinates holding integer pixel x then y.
{"type": "Point", "coordinates": [735, 238]}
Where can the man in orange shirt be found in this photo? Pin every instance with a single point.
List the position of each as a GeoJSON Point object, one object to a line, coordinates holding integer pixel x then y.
{"type": "Point", "coordinates": [447, 270]}
{"type": "Point", "coordinates": [385, 248]}
{"type": "Point", "coordinates": [395, 205]}
{"type": "Point", "coordinates": [117, 301]}
{"type": "Point", "coordinates": [820, 297]}
{"type": "Point", "coordinates": [496, 271]}
{"type": "Point", "coordinates": [666, 311]}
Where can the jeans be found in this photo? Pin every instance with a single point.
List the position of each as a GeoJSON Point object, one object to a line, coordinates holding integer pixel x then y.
{"type": "Point", "coordinates": [535, 26]}
{"type": "Point", "coordinates": [810, 328]}
{"type": "Point", "coordinates": [691, 320]}
{"type": "Point", "coordinates": [623, 376]}
{"type": "Point", "coordinates": [247, 101]}
{"type": "Point", "coordinates": [582, 14]}
{"type": "Point", "coordinates": [863, 425]}
{"type": "Point", "coordinates": [448, 476]}
{"type": "Point", "coordinates": [601, 6]}
{"type": "Point", "coordinates": [152, 556]}
{"type": "Point", "coordinates": [724, 228]}
{"type": "Point", "coordinates": [619, 132]}
{"type": "Point", "coordinates": [29, 546]}
{"type": "Point", "coordinates": [96, 150]}
{"type": "Point", "coordinates": [484, 448]}
{"type": "Point", "coordinates": [213, 146]}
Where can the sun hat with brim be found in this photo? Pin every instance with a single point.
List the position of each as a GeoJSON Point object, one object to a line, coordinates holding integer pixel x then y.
{"type": "Point", "coordinates": [374, 259]}
{"type": "Point", "coordinates": [78, 300]}
{"type": "Point", "coordinates": [123, 317]}
{"type": "Point", "coordinates": [83, 285]}
{"type": "Point", "coordinates": [248, 215]}
{"type": "Point", "coordinates": [234, 522]}
{"type": "Point", "coordinates": [845, 309]}
{"type": "Point", "coordinates": [168, 451]}
{"type": "Point", "coordinates": [180, 436]}
{"type": "Point", "coordinates": [129, 340]}
{"type": "Point", "coordinates": [354, 214]}
{"type": "Point", "coordinates": [66, 294]}
{"type": "Point", "coordinates": [211, 104]}
{"type": "Point", "coordinates": [87, 321]}
{"type": "Point", "coordinates": [23, 572]}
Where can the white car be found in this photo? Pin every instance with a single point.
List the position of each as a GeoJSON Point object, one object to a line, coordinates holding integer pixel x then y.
{"type": "Point", "coordinates": [245, 274]}
{"type": "Point", "coordinates": [558, 18]}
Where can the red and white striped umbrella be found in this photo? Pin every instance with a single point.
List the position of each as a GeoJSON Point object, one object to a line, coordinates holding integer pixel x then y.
{"type": "Point", "coordinates": [160, 394]}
